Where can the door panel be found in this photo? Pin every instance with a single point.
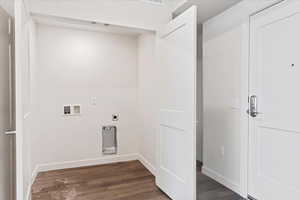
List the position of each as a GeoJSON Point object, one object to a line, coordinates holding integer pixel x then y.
{"type": "Point", "coordinates": [176, 174]}
{"type": "Point", "coordinates": [274, 78]}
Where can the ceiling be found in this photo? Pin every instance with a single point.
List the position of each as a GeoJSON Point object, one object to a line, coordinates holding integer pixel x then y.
{"type": "Point", "coordinates": [206, 8]}
{"type": "Point", "coordinates": [86, 25]}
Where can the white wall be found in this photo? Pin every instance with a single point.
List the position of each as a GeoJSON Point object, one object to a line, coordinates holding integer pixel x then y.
{"type": "Point", "coordinates": [222, 98]}
{"type": "Point", "coordinates": [118, 12]}
{"type": "Point", "coordinates": [75, 66]}
{"type": "Point", "coordinates": [147, 96]}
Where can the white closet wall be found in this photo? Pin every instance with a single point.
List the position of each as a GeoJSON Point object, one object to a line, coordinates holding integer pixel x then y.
{"type": "Point", "coordinates": [222, 99]}
{"type": "Point", "coordinates": [148, 97]}
{"type": "Point", "coordinates": [95, 70]}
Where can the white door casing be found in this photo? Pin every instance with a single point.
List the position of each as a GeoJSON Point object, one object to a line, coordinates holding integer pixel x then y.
{"type": "Point", "coordinates": [274, 135]}
{"type": "Point", "coordinates": [176, 171]}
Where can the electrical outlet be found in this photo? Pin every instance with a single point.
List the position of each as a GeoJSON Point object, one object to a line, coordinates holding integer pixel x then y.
{"type": "Point", "coordinates": [76, 109]}
{"type": "Point", "coordinates": [67, 110]}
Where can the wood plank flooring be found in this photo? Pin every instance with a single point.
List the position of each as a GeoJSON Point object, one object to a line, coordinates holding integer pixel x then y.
{"type": "Point", "coordinates": [119, 181]}
{"type": "Point", "coordinates": [208, 189]}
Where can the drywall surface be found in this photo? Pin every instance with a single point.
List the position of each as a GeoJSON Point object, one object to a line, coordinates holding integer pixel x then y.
{"type": "Point", "coordinates": [136, 14]}
{"type": "Point", "coordinates": [95, 70]}
{"type": "Point", "coordinates": [147, 96]}
{"type": "Point", "coordinates": [222, 103]}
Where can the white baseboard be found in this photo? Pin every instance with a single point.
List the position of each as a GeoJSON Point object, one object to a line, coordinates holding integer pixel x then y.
{"type": "Point", "coordinates": [221, 179]}
{"type": "Point", "coordinates": [147, 164]}
{"type": "Point", "coordinates": [88, 162]}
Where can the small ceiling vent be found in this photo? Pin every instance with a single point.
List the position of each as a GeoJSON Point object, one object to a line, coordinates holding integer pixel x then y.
{"type": "Point", "coordinates": [158, 2]}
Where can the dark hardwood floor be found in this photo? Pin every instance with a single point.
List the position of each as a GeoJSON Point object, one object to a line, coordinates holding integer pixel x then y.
{"type": "Point", "coordinates": [119, 181]}
{"type": "Point", "coordinates": [208, 189]}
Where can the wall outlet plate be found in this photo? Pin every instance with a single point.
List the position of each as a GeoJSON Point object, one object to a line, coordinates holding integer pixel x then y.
{"type": "Point", "coordinates": [115, 117]}
{"type": "Point", "coordinates": [76, 109]}
{"type": "Point", "coordinates": [72, 110]}
{"type": "Point", "coordinates": [67, 110]}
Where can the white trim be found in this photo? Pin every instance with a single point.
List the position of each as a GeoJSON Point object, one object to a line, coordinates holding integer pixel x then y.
{"type": "Point", "coordinates": [12, 172]}
{"type": "Point", "coordinates": [33, 177]}
{"type": "Point", "coordinates": [28, 194]}
{"type": "Point", "coordinates": [221, 179]}
{"type": "Point", "coordinates": [147, 164]}
{"type": "Point", "coordinates": [88, 162]}
{"type": "Point", "coordinates": [243, 114]}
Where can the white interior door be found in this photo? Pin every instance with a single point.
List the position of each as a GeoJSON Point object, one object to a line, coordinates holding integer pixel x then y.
{"type": "Point", "coordinates": [275, 80]}
{"type": "Point", "coordinates": [176, 174]}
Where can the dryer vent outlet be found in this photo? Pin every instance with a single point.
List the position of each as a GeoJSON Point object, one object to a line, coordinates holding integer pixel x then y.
{"type": "Point", "coordinates": [109, 140]}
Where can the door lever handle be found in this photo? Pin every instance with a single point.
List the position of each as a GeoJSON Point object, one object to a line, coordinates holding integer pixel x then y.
{"type": "Point", "coordinates": [10, 132]}
{"type": "Point", "coordinates": [253, 114]}
{"type": "Point", "coordinates": [253, 110]}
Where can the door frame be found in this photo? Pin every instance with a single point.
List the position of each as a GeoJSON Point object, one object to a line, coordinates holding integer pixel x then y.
{"type": "Point", "coordinates": [244, 118]}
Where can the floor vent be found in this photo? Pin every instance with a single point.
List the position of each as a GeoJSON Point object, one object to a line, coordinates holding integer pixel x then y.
{"type": "Point", "coordinates": [158, 2]}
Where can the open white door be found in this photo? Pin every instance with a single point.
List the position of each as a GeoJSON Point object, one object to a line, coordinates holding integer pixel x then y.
{"type": "Point", "coordinates": [274, 86]}
{"type": "Point", "coordinates": [176, 167]}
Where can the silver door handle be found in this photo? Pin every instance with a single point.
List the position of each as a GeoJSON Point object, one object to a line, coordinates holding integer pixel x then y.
{"type": "Point", "coordinates": [10, 132]}
{"type": "Point", "coordinates": [253, 110]}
